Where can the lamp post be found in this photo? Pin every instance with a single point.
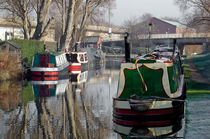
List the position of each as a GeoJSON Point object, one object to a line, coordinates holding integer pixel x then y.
{"type": "Point", "coordinates": [150, 30]}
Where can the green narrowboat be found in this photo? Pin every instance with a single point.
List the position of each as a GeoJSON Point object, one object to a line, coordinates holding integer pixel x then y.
{"type": "Point", "coordinates": [151, 86]}
{"type": "Point", "coordinates": [49, 66]}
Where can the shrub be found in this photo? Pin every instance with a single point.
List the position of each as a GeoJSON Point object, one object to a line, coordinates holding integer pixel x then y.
{"type": "Point", "coordinates": [9, 67]}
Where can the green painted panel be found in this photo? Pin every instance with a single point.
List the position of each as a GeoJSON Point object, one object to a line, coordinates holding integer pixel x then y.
{"type": "Point", "coordinates": [134, 85]}
{"type": "Point", "coordinates": [172, 79]}
{"type": "Point", "coordinates": [36, 61]}
{"type": "Point", "coordinates": [52, 60]}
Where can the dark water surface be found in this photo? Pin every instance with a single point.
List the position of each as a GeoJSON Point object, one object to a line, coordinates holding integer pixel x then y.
{"type": "Point", "coordinates": [198, 116]}
{"type": "Point", "coordinates": [81, 107]}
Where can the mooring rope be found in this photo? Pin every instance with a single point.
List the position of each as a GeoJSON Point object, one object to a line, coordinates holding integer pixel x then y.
{"type": "Point", "coordinates": [142, 79]}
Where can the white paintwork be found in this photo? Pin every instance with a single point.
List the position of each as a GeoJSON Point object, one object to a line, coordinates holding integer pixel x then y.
{"type": "Point", "coordinates": [124, 104]}
{"type": "Point", "coordinates": [61, 67]}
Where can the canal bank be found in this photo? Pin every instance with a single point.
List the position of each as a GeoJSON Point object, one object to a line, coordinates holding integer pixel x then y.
{"type": "Point", "coordinates": [198, 97]}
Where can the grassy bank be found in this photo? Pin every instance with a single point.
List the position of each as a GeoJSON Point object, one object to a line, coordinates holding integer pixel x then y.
{"type": "Point", "coordinates": [29, 48]}
{"type": "Point", "coordinates": [202, 63]}
{"type": "Point", "coordinates": [11, 65]}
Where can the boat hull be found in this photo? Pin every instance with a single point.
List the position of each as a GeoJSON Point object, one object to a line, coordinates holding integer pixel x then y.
{"type": "Point", "coordinates": [149, 129]}
{"type": "Point", "coordinates": [49, 74]}
{"type": "Point", "coordinates": [155, 111]}
{"type": "Point", "coordinates": [76, 68]}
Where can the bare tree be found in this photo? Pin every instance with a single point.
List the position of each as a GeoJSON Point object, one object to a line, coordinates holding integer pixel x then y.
{"type": "Point", "coordinates": [197, 12]}
{"type": "Point", "coordinates": [43, 24]}
{"type": "Point", "coordinates": [21, 11]}
{"type": "Point", "coordinates": [89, 7]}
{"type": "Point", "coordinates": [137, 26]}
{"type": "Point", "coordinates": [18, 10]}
{"type": "Point", "coordinates": [75, 17]}
{"type": "Point", "coordinates": [67, 24]}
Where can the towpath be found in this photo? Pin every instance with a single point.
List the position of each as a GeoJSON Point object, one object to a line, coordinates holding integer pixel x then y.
{"type": "Point", "coordinates": [196, 73]}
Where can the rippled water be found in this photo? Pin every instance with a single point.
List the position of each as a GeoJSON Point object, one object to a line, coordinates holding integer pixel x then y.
{"type": "Point", "coordinates": [82, 110]}
{"type": "Point", "coordinates": [198, 116]}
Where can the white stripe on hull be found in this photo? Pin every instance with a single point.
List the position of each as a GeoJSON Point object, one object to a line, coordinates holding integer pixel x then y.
{"type": "Point", "coordinates": [119, 104]}
{"type": "Point", "coordinates": [39, 69]}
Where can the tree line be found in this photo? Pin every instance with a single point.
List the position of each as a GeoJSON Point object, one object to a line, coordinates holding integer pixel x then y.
{"type": "Point", "coordinates": [196, 13]}
{"type": "Point", "coordinates": [70, 17]}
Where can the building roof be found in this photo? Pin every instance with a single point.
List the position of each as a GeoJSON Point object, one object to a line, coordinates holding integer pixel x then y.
{"type": "Point", "coordinates": [12, 44]}
{"type": "Point", "coordinates": [177, 24]}
{"type": "Point", "coordinates": [158, 26]}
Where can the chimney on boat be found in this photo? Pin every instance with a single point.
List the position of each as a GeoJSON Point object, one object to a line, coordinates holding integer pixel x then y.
{"type": "Point", "coordinates": [127, 48]}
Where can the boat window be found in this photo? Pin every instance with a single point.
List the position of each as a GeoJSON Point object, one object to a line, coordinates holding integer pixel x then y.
{"type": "Point", "coordinates": [74, 57]}
{"type": "Point", "coordinates": [86, 57]}
{"type": "Point", "coordinates": [81, 56]}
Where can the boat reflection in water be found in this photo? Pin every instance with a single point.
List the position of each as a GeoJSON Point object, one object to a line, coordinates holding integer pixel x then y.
{"type": "Point", "coordinates": [79, 78]}
{"type": "Point", "coordinates": [49, 88]}
{"type": "Point", "coordinates": [151, 126]}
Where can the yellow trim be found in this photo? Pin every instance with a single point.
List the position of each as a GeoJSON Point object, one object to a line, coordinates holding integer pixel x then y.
{"type": "Point", "coordinates": [142, 79]}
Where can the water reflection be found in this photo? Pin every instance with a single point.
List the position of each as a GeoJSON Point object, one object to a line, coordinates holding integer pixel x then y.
{"type": "Point", "coordinates": [10, 95]}
{"type": "Point", "coordinates": [151, 129]}
{"type": "Point", "coordinates": [79, 107]}
{"type": "Point", "coordinates": [49, 88]}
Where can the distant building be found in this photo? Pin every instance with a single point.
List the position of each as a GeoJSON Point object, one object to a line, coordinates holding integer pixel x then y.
{"type": "Point", "coordinates": [161, 26]}
{"type": "Point", "coordinates": [11, 48]}
{"type": "Point", "coordinates": [156, 26]}
{"type": "Point", "coordinates": [180, 28]}
{"type": "Point", "coordinates": [10, 30]}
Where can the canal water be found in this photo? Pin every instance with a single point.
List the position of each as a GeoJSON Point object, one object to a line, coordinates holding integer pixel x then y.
{"type": "Point", "coordinates": [81, 107]}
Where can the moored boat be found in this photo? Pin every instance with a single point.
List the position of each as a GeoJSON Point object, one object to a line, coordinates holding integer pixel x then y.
{"type": "Point", "coordinates": [78, 60]}
{"type": "Point", "coordinates": [151, 87]}
{"type": "Point", "coordinates": [49, 66]}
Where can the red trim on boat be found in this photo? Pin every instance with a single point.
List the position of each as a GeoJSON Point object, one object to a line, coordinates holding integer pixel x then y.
{"type": "Point", "coordinates": [35, 73]}
{"type": "Point", "coordinates": [74, 69]}
{"type": "Point", "coordinates": [150, 112]}
{"type": "Point", "coordinates": [50, 73]}
{"type": "Point", "coordinates": [36, 78]}
{"type": "Point", "coordinates": [50, 78]}
{"type": "Point", "coordinates": [146, 123]}
{"type": "Point", "coordinates": [168, 61]}
{"type": "Point", "coordinates": [44, 78]}
{"type": "Point", "coordinates": [74, 66]}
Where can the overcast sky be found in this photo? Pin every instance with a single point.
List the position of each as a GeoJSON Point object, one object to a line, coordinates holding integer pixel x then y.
{"type": "Point", "coordinates": [158, 8]}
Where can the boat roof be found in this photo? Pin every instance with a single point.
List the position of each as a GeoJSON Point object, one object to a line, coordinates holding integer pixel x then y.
{"type": "Point", "coordinates": [79, 52]}
{"type": "Point", "coordinates": [51, 53]}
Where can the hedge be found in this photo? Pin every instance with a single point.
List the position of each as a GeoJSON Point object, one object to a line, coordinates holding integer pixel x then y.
{"type": "Point", "coordinates": [29, 48]}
